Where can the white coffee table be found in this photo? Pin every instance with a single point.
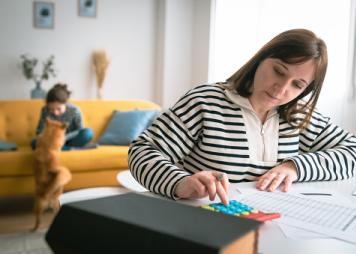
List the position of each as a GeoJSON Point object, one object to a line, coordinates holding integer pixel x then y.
{"type": "Point", "coordinates": [126, 179]}
{"type": "Point", "coordinates": [123, 177]}
{"type": "Point", "coordinates": [91, 193]}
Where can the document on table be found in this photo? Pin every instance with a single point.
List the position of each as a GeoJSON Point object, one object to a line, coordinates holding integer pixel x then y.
{"type": "Point", "coordinates": [299, 233]}
{"type": "Point", "coordinates": [327, 218]}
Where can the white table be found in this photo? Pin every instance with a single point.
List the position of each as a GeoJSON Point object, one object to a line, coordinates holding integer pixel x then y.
{"type": "Point", "coordinates": [123, 177]}
{"type": "Point", "coordinates": [273, 241]}
{"type": "Point", "coordinates": [271, 238]}
{"type": "Point", "coordinates": [90, 193]}
{"type": "Point", "coordinates": [126, 179]}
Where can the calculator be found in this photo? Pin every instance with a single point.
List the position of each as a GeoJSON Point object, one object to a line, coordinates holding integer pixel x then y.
{"type": "Point", "coordinates": [242, 210]}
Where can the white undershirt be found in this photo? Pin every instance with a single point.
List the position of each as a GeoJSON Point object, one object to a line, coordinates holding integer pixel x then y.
{"type": "Point", "coordinates": [262, 138]}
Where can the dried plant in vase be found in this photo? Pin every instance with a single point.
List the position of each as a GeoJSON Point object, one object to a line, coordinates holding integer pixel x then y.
{"type": "Point", "coordinates": [29, 70]}
{"type": "Point", "coordinates": [101, 63]}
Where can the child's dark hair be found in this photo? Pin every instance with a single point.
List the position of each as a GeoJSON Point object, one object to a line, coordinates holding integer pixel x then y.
{"type": "Point", "coordinates": [58, 93]}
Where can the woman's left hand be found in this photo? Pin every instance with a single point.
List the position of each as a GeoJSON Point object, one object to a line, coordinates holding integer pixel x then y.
{"type": "Point", "coordinates": [284, 173]}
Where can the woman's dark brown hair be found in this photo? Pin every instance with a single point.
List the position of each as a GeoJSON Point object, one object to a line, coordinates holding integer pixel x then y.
{"type": "Point", "coordinates": [58, 93]}
{"type": "Point", "coordinates": [293, 47]}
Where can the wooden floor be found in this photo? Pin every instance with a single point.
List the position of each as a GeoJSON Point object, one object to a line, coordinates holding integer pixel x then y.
{"type": "Point", "coordinates": [16, 215]}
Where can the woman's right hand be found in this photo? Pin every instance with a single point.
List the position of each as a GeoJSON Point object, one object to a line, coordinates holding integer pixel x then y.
{"type": "Point", "coordinates": [202, 184]}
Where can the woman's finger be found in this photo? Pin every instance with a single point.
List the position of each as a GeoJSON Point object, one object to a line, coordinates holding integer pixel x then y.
{"type": "Point", "coordinates": [209, 182]}
{"type": "Point", "coordinates": [265, 180]}
{"type": "Point", "coordinates": [224, 180]}
{"type": "Point", "coordinates": [287, 183]}
{"type": "Point", "coordinates": [222, 186]}
{"type": "Point", "coordinates": [222, 194]}
{"type": "Point", "coordinates": [263, 183]}
{"type": "Point", "coordinates": [199, 188]}
{"type": "Point", "coordinates": [277, 180]}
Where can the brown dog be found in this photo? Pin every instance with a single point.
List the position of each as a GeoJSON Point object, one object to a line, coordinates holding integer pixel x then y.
{"type": "Point", "coordinates": [50, 177]}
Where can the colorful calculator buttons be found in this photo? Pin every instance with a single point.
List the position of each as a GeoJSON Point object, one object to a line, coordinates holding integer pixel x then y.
{"type": "Point", "coordinates": [239, 209]}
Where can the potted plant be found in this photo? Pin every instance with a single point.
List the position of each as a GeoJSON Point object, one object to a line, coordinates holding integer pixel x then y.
{"type": "Point", "coordinates": [30, 72]}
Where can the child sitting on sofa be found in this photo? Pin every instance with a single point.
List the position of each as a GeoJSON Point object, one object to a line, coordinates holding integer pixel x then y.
{"type": "Point", "coordinates": [58, 108]}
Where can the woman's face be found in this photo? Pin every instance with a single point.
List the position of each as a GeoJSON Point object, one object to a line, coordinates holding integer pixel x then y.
{"type": "Point", "coordinates": [57, 108]}
{"type": "Point", "coordinates": [277, 83]}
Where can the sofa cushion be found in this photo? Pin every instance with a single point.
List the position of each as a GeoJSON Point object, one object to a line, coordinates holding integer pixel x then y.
{"type": "Point", "coordinates": [20, 163]}
{"type": "Point", "coordinates": [101, 158]}
{"type": "Point", "coordinates": [125, 126]}
{"type": "Point", "coordinates": [7, 146]}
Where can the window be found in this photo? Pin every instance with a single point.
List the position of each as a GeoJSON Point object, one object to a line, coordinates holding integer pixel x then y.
{"type": "Point", "coordinates": [243, 27]}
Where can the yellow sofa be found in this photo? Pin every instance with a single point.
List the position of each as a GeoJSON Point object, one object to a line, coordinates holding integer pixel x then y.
{"type": "Point", "coordinates": [90, 168]}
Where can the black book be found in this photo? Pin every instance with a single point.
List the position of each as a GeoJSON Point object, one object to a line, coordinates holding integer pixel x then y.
{"type": "Point", "coordinates": [137, 223]}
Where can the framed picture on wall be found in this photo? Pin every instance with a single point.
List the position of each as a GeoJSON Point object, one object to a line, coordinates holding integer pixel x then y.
{"type": "Point", "coordinates": [43, 15]}
{"type": "Point", "coordinates": [87, 8]}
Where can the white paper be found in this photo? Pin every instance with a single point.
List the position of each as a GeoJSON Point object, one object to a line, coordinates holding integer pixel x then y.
{"type": "Point", "coordinates": [250, 187]}
{"type": "Point", "coordinates": [324, 217]}
{"type": "Point", "coordinates": [298, 233]}
{"type": "Point", "coordinates": [325, 194]}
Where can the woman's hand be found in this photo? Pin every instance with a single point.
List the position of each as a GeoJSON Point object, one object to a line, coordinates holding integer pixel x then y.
{"type": "Point", "coordinates": [284, 173]}
{"type": "Point", "coordinates": [202, 184]}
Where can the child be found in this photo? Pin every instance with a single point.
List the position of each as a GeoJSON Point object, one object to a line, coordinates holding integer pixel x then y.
{"type": "Point", "coordinates": [58, 108]}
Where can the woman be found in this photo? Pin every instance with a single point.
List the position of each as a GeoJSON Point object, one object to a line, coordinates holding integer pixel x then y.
{"type": "Point", "coordinates": [58, 108]}
{"type": "Point", "coordinates": [254, 127]}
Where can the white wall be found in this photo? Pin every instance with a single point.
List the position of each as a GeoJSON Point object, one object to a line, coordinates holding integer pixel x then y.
{"type": "Point", "coordinates": [176, 44]}
{"type": "Point", "coordinates": [182, 47]}
{"type": "Point", "coordinates": [158, 48]}
{"type": "Point", "coordinates": [201, 41]}
{"type": "Point", "coordinates": [125, 28]}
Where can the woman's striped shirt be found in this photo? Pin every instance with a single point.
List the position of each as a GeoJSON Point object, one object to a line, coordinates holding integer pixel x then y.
{"type": "Point", "coordinates": [205, 130]}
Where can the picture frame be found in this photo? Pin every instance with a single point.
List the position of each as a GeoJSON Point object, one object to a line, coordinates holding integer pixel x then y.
{"type": "Point", "coordinates": [87, 8]}
{"type": "Point", "coordinates": [43, 15]}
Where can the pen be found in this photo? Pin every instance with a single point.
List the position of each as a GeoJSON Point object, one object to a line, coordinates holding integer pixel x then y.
{"type": "Point", "coordinates": [315, 194]}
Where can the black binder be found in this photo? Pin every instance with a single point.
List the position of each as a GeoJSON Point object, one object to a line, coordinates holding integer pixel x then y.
{"type": "Point", "coordinates": [137, 223]}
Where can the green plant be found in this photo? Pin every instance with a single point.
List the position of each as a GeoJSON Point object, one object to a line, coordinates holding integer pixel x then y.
{"type": "Point", "coordinates": [29, 68]}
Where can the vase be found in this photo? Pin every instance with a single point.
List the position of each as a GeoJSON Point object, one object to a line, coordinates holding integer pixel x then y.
{"type": "Point", "coordinates": [38, 92]}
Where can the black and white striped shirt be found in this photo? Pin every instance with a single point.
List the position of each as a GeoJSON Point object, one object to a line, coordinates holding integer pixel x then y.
{"type": "Point", "coordinates": [205, 130]}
